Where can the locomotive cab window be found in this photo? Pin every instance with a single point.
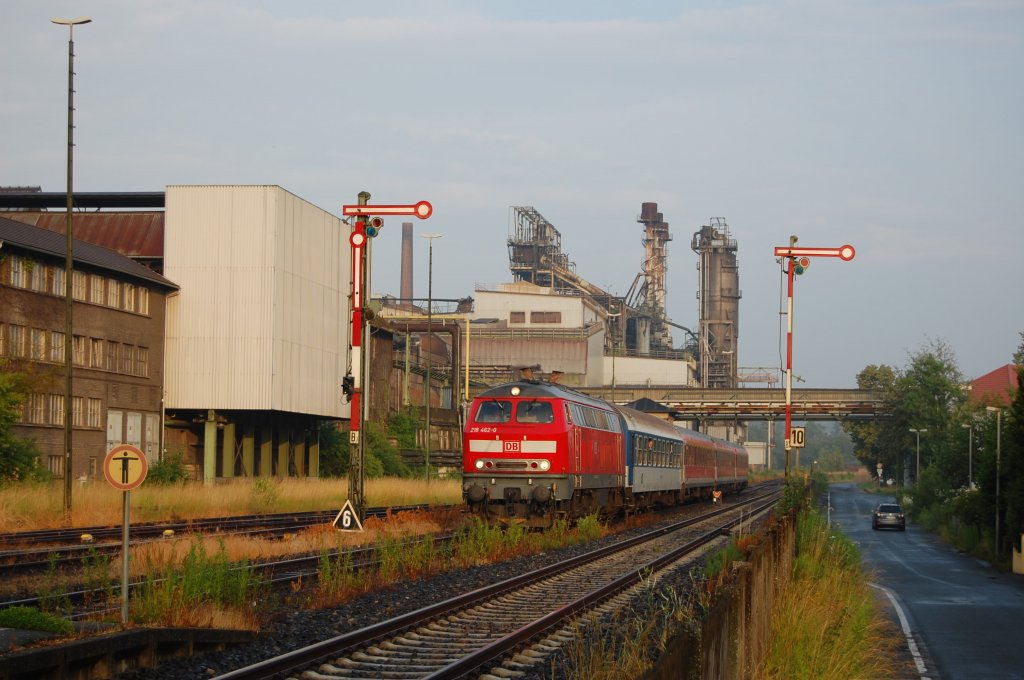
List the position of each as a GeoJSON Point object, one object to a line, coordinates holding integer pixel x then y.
{"type": "Point", "coordinates": [534, 412]}
{"type": "Point", "coordinates": [494, 411]}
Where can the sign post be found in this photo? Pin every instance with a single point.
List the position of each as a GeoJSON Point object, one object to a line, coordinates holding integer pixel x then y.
{"type": "Point", "coordinates": [368, 224]}
{"type": "Point", "coordinates": [796, 260]}
{"type": "Point", "coordinates": [125, 468]}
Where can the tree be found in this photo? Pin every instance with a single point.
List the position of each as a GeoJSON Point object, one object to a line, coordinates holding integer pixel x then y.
{"type": "Point", "coordinates": [926, 396]}
{"type": "Point", "coordinates": [870, 443]}
{"type": "Point", "coordinates": [1018, 356]}
{"type": "Point", "coordinates": [1011, 467]}
{"type": "Point", "coordinates": [19, 457]}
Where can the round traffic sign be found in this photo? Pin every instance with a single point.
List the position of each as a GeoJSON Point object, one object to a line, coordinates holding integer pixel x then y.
{"type": "Point", "coordinates": [125, 467]}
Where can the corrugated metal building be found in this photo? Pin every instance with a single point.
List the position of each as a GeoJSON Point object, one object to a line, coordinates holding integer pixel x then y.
{"type": "Point", "coordinates": [257, 338]}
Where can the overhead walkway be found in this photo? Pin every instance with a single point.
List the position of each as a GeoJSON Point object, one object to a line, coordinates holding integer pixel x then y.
{"type": "Point", "coordinates": [743, 404]}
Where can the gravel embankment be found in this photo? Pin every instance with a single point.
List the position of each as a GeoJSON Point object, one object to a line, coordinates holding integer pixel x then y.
{"type": "Point", "coordinates": [299, 628]}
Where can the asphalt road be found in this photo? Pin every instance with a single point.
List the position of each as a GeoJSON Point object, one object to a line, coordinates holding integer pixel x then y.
{"type": "Point", "coordinates": [965, 619]}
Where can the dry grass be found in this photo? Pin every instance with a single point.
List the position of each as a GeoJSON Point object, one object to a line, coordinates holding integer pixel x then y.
{"type": "Point", "coordinates": [41, 506]}
{"type": "Point", "coordinates": [828, 625]}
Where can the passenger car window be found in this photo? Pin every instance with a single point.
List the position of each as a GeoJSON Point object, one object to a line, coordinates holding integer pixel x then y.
{"type": "Point", "coordinates": [494, 411]}
{"type": "Point", "coordinates": [534, 412]}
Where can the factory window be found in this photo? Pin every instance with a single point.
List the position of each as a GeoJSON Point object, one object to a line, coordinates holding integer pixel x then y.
{"type": "Point", "coordinates": [127, 359]}
{"type": "Point", "coordinates": [94, 412]}
{"type": "Point", "coordinates": [113, 293]}
{"type": "Point", "coordinates": [37, 344]}
{"type": "Point", "coordinates": [99, 353]}
{"type": "Point", "coordinates": [78, 285]}
{"type": "Point", "coordinates": [56, 346]}
{"type": "Point", "coordinates": [113, 352]}
{"type": "Point", "coordinates": [78, 411]}
{"type": "Point", "coordinates": [143, 301]}
{"type": "Point", "coordinates": [517, 317]}
{"type": "Point", "coordinates": [79, 350]}
{"type": "Point", "coordinates": [16, 347]}
{"type": "Point", "coordinates": [142, 361]}
{"type": "Point", "coordinates": [56, 409]}
{"type": "Point", "coordinates": [37, 278]}
{"type": "Point", "coordinates": [55, 465]}
{"type": "Point", "coordinates": [35, 409]}
{"type": "Point", "coordinates": [58, 285]}
{"type": "Point", "coordinates": [129, 297]}
{"type": "Point", "coordinates": [545, 317]}
{"type": "Point", "coordinates": [19, 272]}
{"type": "Point", "coordinates": [96, 289]}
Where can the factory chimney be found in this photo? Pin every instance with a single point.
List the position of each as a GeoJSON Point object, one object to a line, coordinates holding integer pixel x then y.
{"type": "Point", "coordinates": [406, 283]}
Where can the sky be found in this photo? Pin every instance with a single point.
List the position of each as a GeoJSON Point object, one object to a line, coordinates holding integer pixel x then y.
{"type": "Point", "coordinates": [896, 126]}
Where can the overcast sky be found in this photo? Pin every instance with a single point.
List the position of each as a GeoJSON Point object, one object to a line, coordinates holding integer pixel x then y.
{"type": "Point", "coordinates": [896, 126]}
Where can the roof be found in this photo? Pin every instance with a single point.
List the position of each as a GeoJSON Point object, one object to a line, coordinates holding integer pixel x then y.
{"type": "Point", "coordinates": [134, 234]}
{"type": "Point", "coordinates": [46, 242]}
{"type": "Point", "coordinates": [649, 406]}
{"type": "Point", "coordinates": [995, 386]}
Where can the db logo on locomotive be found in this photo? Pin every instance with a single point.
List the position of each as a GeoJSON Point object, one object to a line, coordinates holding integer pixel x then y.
{"type": "Point", "coordinates": [511, 447]}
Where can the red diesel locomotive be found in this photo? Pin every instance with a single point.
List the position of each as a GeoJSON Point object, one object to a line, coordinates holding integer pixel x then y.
{"type": "Point", "coordinates": [536, 451]}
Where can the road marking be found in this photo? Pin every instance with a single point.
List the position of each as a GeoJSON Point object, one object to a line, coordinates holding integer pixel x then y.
{"type": "Point", "coordinates": [905, 625]}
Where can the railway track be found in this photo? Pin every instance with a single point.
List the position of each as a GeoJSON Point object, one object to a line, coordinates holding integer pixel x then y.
{"type": "Point", "coordinates": [472, 631]}
{"type": "Point", "coordinates": [36, 551]}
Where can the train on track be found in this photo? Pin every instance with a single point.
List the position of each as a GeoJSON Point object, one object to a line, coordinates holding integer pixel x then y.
{"type": "Point", "coordinates": [536, 451]}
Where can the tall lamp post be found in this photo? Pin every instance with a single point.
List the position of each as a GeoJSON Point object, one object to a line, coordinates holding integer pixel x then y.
{"type": "Point", "coordinates": [970, 453]}
{"type": "Point", "coordinates": [430, 300]}
{"type": "Point", "coordinates": [69, 261]}
{"type": "Point", "coordinates": [999, 428]}
{"type": "Point", "coordinates": [917, 475]}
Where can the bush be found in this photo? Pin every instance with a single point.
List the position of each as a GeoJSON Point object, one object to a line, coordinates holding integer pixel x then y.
{"type": "Point", "coordinates": [170, 470]}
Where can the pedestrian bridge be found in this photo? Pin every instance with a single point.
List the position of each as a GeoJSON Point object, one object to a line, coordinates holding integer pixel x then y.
{"type": "Point", "coordinates": [696, 403]}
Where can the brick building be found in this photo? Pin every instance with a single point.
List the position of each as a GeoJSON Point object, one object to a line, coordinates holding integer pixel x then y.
{"type": "Point", "coordinates": [117, 343]}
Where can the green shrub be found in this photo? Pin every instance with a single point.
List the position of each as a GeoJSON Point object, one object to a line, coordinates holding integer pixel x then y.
{"type": "Point", "coordinates": [170, 470]}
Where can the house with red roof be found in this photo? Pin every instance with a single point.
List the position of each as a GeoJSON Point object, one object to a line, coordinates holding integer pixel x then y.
{"type": "Point", "coordinates": [995, 388]}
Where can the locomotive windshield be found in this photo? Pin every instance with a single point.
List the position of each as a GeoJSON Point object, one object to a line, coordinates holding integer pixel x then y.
{"type": "Point", "coordinates": [534, 412]}
{"type": "Point", "coordinates": [494, 411]}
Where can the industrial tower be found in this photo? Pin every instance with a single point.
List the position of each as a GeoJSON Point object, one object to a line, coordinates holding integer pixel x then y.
{"type": "Point", "coordinates": [719, 298]}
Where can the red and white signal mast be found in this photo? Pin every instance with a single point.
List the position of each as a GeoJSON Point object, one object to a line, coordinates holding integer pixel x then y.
{"type": "Point", "coordinates": [369, 222]}
{"type": "Point", "coordinates": [796, 261]}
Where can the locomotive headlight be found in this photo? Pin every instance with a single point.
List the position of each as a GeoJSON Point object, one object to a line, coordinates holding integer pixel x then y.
{"type": "Point", "coordinates": [545, 465]}
{"type": "Point", "coordinates": [515, 391]}
{"type": "Point", "coordinates": [479, 464]}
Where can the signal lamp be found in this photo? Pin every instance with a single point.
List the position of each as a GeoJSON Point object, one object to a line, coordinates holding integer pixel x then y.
{"type": "Point", "coordinates": [373, 226]}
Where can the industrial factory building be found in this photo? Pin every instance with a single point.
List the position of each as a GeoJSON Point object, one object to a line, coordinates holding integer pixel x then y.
{"type": "Point", "coordinates": [252, 354]}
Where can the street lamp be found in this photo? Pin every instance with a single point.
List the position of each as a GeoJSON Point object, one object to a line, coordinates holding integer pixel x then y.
{"type": "Point", "coordinates": [970, 453]}
{"type": "Point", "coordinates": [917, 475]}
{"type": "Point", "coordinates": [430, 299]}
{"type": "Point", "coordinates": [999, 424]}
{"type": "Point", "coordinates": [69, 260]}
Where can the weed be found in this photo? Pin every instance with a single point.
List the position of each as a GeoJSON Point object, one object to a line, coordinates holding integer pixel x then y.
{"type": "Point", "coordinates": [203, 584]}
{"type": "Point", "coordinates": [30, 618]}
{"type": "Point", "coordinates": [52, 597]}
{"type": "Point", "coordinates": [264, 494]}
